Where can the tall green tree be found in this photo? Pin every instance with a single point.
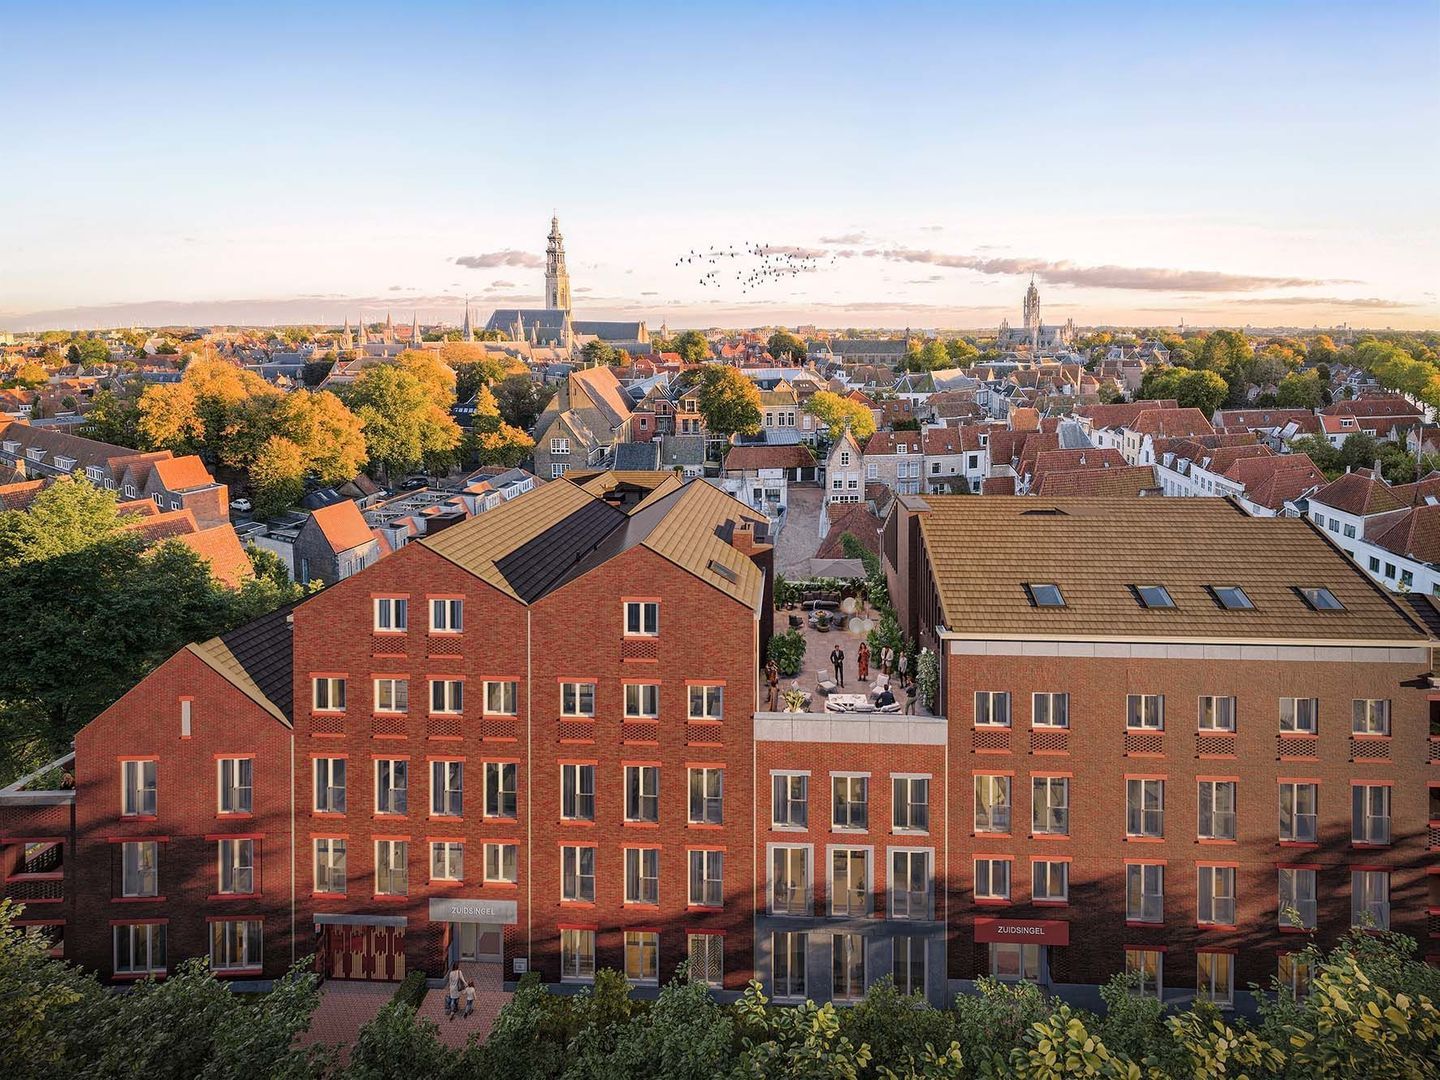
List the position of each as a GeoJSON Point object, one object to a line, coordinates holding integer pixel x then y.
{"type": "Point", "coordinates": [782, 343]}
{"type": "Point", "coordinates": [598, 353]}
{"type": "Point", "coordinates": [729, 401]}
{"type": "Point", "coordinates": [835, 412]}
{"type": "Point", "coordinates": [404, 424]}
{"type": "Point", "coordinates": [692, 346]}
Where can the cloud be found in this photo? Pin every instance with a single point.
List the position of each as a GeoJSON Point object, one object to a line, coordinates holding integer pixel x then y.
{"type": "Point", "coordinates": [397, 288]}
{"type": "Point", "coordinates": [1140, 278]}
{"type": "Point", "coordinates": [508, 257]}
{"type": "Point", "coordinates": [1366, 303]}
{"type": "Point", "coordinates": [844, 238]}
{"type": "Point", "coordinates": [797, 251]}
{"type": "Point", "coordinates": [582, 289]}
{"type": "Point", "coordinates": [932, 228]}
{"type": "Point", "coordinates": [502, 284]}
{"type": "Point", "coordinates": [650, 293]}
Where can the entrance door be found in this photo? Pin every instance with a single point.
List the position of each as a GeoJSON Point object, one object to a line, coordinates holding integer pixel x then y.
{"type": "Point", "coordinates": [364, 952]}
{"type": "Point", "coordinates": [479, 943]}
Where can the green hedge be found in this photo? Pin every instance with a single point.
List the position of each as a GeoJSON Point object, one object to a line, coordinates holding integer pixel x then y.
{"type": "Point", "coordinates": [411, 990]}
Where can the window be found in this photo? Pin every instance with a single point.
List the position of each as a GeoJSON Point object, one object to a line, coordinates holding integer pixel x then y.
{"type": "Point", "coordinates": [1298, 811]}
{"type": "Point", "coordinates": [1370, 814]}
{"type": "Point", "coordinates": [1374, 565]}
{"type": "Point", "coordinates": [501, 861]}
{"type": "Point", "coordinates": [642, 618]}
{"type": "Point", "coordinates": [330, 785]}
{"type": "Point", "coordinates": [140, 868]}
{"type": "Point", "coordinates": [1145, 712]}
{"type": "Point", "coordinates": [140, 949]}
{"type": "Point", "coordinates": [642, 875]}
{"type": "Point", "coordinates": [992, 879]}
{"type": "Point", "coordinates": [1145, 807]}
{"type": "Point", "coordinates": [1231, 597]}
{"type": "Point", "coordinates": [392, 867]}
{"type": "Point", "coordinates": [642, 793]}
{"type": "Point", "coordinates": [447, 616]}
{"type": "Point", "coordinates": [787, 956]}
{"type": "Point", "coordinates": [559, 446]}
{"type": "Point", "coordinates": [1145, 892]}
{"type": "Point", "coordinates": [236, 860]}
{"type": "Point", "coordinates": [707, 878]}
{"type": "Point", "coordinates": [707, 796]}
{"type": "Point", "coordinates": [642, 956]}
{"type": "Point", "coordinates": [1216, 895]}
{"type": "Point", "coordinates": [392, 613]}
{"type": "Point", "coordinates": [1216, 714]}
{"type": "Point", "coordinates": [447, 696]}
{"type": "Point", "coordinates": [1146, 968]}
{"type": "Point", "coordinates": [707, 958]}
{"type": "Point", "coordinates": [1321, 599]}
{"type": "Point", "coordinates": [392, 782]}
{"type": "Point", "coordinates": [1050, 880]}
{"type": "Point", "coordinates": [1299, 714]}
{"type": "Point", "coordinates": [1050, 805]}
{"type": "Point", "coordinates": [1217, 810]}
{"type": "Point", "coordinates": [1014, 962]}
{"type": "Point", "coordinates": [790, 808]}
{"type": "Point", "coordinates": [1371, 716]}
{"type": "Point", "coordinates": [392, 695]}
{"type": "Point", "coordinates": [1215, 978]}
{"type": "Point", "coordinates": [849, 872]}
{"type": "Point", "coordinates": [1045, 595]}
{"type": "Point", "coordinates": [908, 963]}
{"type": "Point", "coordinates": [1294, 974]}
{"type": "Point", "coordinates": [577, 699]}
{"type": "Point", "coordinates": [909, 884]}
{"type": "Point", "coordinates": [447, 860]}
{"type": "Point", "coordinates": [577, 792]}
{"type": "Point", "coordinates": [499, 698]}
{"type": "Point", "coordinates": [872, 471]}
{"type": "Point", "coordinates": [847, 969]}
{"type": "Point", "coordinates": [577, 954]}
{"type": "Point", "coordinates": [137, 788]}
{"type": "Point", "coordinates": [330, 865]}
{"type": "Point", "coordinates": [844, 457]}
{"type": "Point", "coordinates": [850, 802]}
{"type": "Point", "coordinates": [642, 700]}
{"type": "Point", "coordinates": [707, 702]}
{"type": "Point", "coordinates": [992, 708]}
{"type": "Point", "coordinates": [911, 804]}
{"type": "Point", "coordinates": [577, 874]}
{"type": "Point", "coordinates": [447, 788]}
{"type": "Point", "coordinates": [1050, 710]}
{"type": "Point", "coordinates": [1299, 901]}
{"type": "Point", "coordinates": [992, 804]}
{"type": "Point", "coordinates": [790, 881]}
{"type": "Point", "coordinates": [1153, 596]}
{"type": "Point", "coordinates": [500, 789]}
{"type": "Point", "coordinates": [557, 469]}
{"type": "Point", "coordinates": [329, 694]}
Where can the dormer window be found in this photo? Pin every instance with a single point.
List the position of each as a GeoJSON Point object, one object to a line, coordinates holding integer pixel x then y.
{"type": "Point", "coordinates": [1231, 597]}
{"type": "Point", "coordinates": [1153, 596]}
{"type": "Point", "coordinates": [1046, 596]}
{"type": "Point", "coordinates": [902, 449]}
{"type": "Point", "coordinates": [1321, 599]}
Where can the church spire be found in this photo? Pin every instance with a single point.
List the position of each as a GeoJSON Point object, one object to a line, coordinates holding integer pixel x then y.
{"type": "Point", "coordinates": [466, 329]}
{"type": "Point", "coordinates": [389, 337]}
{"type": "Point", "coordinates": [557, 278]}
{"type": "Point", "coordinates": [360, 333]}
{"type": "Point", "coordinates": [414, 329]}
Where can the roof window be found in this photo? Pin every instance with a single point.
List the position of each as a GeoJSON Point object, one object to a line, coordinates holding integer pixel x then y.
{"type": "Point", "coordinates": [1045, 595]}
{"type": "Point", "coordinates": [1321, 599]}
{"type": "Point", "coordinates": [1153, 596]}
{"type": "Point", "coordinates": [1231, 597]}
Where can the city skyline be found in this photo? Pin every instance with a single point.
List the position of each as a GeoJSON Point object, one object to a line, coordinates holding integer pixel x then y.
{"type": "Point", "coordinates": [1216, 167]}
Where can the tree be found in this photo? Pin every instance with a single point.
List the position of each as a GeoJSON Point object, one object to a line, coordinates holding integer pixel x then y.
{"type": "Point", "coordinates": [114, 417]}
{"type": "Point", "coordinates": [1201, 389]}
{"type": "Point", "coordinates": [692, 346]}
{"type": "Point", "coordinates": [961, 350]}
{"type": "Point", "coordinates": [835, 411]}
{"type": "Point", "coordinates": [1300, 390]}
{"type": "Point", "coordinates": [782, 343]}
{"type": "Point", "coordinates": [277, 478]}
{"type": "Point", "coordinates": [729, 401]}
{"type": "Point", "coordinates": [521, 400]}
{"type": "Point", "coordinates": [403, 423]}
{"type": "Point", "coordinates": [1225, 350]}
{"type": "Point", "coordinates": [31, 375]}
{"type": "Point", "coordinates": [932, 356]}
{"type": "Point", "coordinates": [598, 354]}
{"type": "Point", "coordinates": [434, 374]}
{"type": "Point", "coordinates": [88, 351]}
{"type": "Point", "coordinates": [329, 437]}
{"type": "Point", "coordinates": [505, 446]}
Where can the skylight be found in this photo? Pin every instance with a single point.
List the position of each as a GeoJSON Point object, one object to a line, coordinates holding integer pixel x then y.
{"type": "Point", "coordinates": [1231, 597]}
{"type": "Point", "coordinates": [1045, 595]}
{"type": "Point", "coordinates": [1321, 599]}
{"type": "Point", "coordinates": [1154, 596]}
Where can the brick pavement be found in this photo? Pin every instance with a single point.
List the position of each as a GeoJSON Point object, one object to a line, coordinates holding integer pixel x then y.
{"type": "Point", "coordinates": [345, 1007]}
{"type": "Point", "coordinates": [490, 997]}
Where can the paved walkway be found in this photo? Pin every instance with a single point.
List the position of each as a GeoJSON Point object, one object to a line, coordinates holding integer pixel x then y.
{"type": "Point", "coordinates": [490, 996]}
{"type": "Point", "coordinates": [800, 538]}
{"type": "Point", "coordinates": [345, 1007]}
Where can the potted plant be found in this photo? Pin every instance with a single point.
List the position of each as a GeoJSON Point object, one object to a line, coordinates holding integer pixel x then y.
{"type": "Point", "coordinates": [795, 700]}
{"type": "Point", "coordinates": [788, 652]}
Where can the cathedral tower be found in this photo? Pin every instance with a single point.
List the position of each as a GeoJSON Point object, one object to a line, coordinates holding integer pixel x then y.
{"type": "Point", "coordinates": [1032, 307]}
{"type": "Point", "coordinates": [557, 278]}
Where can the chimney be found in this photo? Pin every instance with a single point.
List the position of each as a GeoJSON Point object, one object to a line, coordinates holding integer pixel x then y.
{"type": "Point", "coordinates": [743, 539]}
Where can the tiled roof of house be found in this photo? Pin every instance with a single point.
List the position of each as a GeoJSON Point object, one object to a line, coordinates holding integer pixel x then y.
{"type": "Point", "coordinates": [257, 659]}
{"type": "Point", "coordinates": [1372, 405]}
{"type": "Point", "coordinates": [860, 523]}
{"type": "Point", "coordinates": [1172, 422]}
{"type": "Point", "coordinates": [982, 552]}
{"type": "Point", "coordinates": [1047, 461]}
{"type": "Point", "coordinates": [764, 456]}
{"type": "Point", "coordinates": [342, 525]}
{"type": "Point", "coordinates": [889, 442]}
{"type": "Point", "coordinates": [951, 440]}
{"type": "Point", "coordinates": [1414, 534]}
{"type": "Point", "coordinates": [998, 485]}
{"type": "Point", "coordinates": [183, 473]}
{"type": "Point", "coordinates": [19, 496]}
{"type": "Point", "coordinates": [1360, 493]}
{"type": "Point", "coordinates": [1122, 414]}
{"type": "Point", "coordinates": [1114, 480]}
{"type": "Point", "coordinates": [1247, 419]}
{"type": "Point", "coordinates": [1426, 487]}
{"type": "Point", "coordinates": [221, 548]}
{"type": "Point", "coordinates": [163, 525]}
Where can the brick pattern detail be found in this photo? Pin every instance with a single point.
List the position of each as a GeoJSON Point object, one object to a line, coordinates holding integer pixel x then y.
{"type": "Point", "coordinates": [703, 735]}
{"type": "Point", "coordinates": [1434, 750]}
{"type": "Point", "coordinates": [1433, 925]}
{"type": "Point", "coordinates": [444, 727]}
{"type": "Point", "coordinates": [1049, 741]}
{"type": "Point", "coordinates": [1432, 834]}
{"type": "Point", "coordinates": [388, 725]}
{"type": "Point", "coordinates": [499, 727]}
{"type": "Point", "coordinates": [643, 732]}
{"type": "Point", "coordinates": [443, 645]}
{"type": "Point", "coordinates": [1369, 749]}
{"type": "Point", "coordinates": [387, 644]}
{"type": "Point", "coordinates": [572, 730]}
{"type": "Point", "coordinates": [1299, 748]}
{"type": "Point", "coordinates": [992, 739]}
{"type": "Point", "coordinates": [1212, 745]}
{"type": "Point", "coordinates": [327, 725]}
{"type": "Point", "coordinates": [1144, 744]}
{"type": "Point", "coordinates": [32, 891]}
{"type": "Point", "coordinates": [639, 649]}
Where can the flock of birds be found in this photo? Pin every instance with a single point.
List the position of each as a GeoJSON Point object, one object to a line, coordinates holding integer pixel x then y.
{"type": "Point", "coordinates": [751, 266]}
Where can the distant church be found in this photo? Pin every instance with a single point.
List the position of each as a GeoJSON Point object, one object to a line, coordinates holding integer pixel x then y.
{"type": "Point", "coordinates": [1035, 335]}
{"type": "Point", "coordinates": [552, 326]}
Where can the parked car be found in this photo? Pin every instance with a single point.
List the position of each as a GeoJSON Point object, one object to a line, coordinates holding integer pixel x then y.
{"type": "Point", "coordinates": [240, 505]}
{"type": "Point", "coordinates": [415, 483]}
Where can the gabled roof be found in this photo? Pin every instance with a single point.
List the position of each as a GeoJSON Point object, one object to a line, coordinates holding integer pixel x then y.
{"type": "Point", "coordinates": [1117, 480]}
{"type": "Point", "coordinates": [765, 456]}
{"type": "Point", "coordinates": [857, 521]}
{"type": "Point", "coordinates": [257, 660]}
{"type": "Point", "coordinates": [1172, 422]}
{"type": "Point", "coordinates": [889, 442]}
{"type": "Point", "coordinates": [1359, 493]}
{"type": "Point", "coordinates": [637, 455]}
{"type": "Point", "coordinates": [183, 473]}
{"type": "Point", "coordinates": [342, 525]}
{"type": "Point", "coordinates": [221, 548]}
{"type": "Point", "coordinates": [1048, 461]}
{"type": "Point", "coordinates": [19, 496]}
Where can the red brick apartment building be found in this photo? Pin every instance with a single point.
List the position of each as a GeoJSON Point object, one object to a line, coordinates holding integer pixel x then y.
{"type": "Point", "coordinates": [1175, 739]}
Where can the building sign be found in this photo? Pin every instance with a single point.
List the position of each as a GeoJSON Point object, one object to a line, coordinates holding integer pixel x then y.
{"type": "Point", "coordinates": [1024, 931]}
{"type": "Point", "coordinates": [477, 911]}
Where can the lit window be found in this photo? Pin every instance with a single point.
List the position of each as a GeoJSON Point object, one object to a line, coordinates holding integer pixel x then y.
{"type": "Point", "coordinates": [577, 955]}
{"type": "Point", "coordinates": [1231, 597]}
{"type": "Point", "coordinates": [1153, 596]}
{"type": "Point", "coordinates": [1321, 599]}
{"type": "Point", "coordinates": [1215, 978]}
{"type": "Point", "coordinates": [642, 956]}
{"type": "Point", "coordinates": [1146, 969]}
{"type": "Point", "coordinates": [1045, 595]}
{"type": "Point", "coordinates": [1294, 974]}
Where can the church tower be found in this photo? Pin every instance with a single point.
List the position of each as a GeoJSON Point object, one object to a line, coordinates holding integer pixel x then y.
{"type": "Point", "coordinates": [1032, 307]}
{"type": "Point", "coordinates": [467, 330]}
{"type": "Point", "coordinates": [557, 278]}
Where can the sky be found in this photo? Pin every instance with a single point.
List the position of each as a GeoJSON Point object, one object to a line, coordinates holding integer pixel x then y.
{"type": "Point", "coordinates": [1257, 163]}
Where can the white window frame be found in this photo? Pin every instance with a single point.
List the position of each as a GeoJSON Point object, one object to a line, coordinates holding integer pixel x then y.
{"type": "Point", "coordinates": [1370, 814]}
{"type": "Point", "coordinates": [392, 798]}
{"type": "Point", "coordinates": [845, 950]}
{"type": "Point", "coordinates": [326, 849]}
{"type": "Point", "coordinates": [1146, 985]}
{"type": "Point", "coordinates": [707, 958]}
{"type": "Point", "coordinates": [905, 810]}
{"type": "Point", "coordinates": [447, 615]}
{"type": "Point", "coordinates": [1043, 881]}
{"type": "Point", "coordinates": [577, 791]}
{"type": "Point", "coordinates": [1145, 712]}
{"type": "Point", "coordinates": [990, 884]}
{"type": "Point", "coordinates": [709, 697]}
{"type": "Point", "coordinates": [1297, 834]}
{"type": "Point", "coordinates": [992, 708]}
{"type": "Point", "coordinates": [334, 691]}
{"type": "Point", "coordinates": [1297, 888]}
{"type": "Point", "coordinates": [392, 867]}
{"type": "Point", "coordinates": [642, 793]}
{"type": "Point", "coordinates": [235, 870]}
{"type": "Point", "coordinates": [502, 692]}
{"type": "Point", "coordinates": [448, 856]}
{"type": "Point", "coordinates": [392, 695]}
{"type": "Point", "coordinates": [392, 614]}
{"type": "Point", "coordinates": [1297, 714]}
{"type": "Point", "coordinates": [1370, 716]}
{"type": "Point", "coordinates": [139, 788]}
{"type": "Point", "coordinates": [1140, 818]}
{"type": "Point", "coordinates": [235, 793]}
{"type": "Point", "coordinates": [849, 802]}
{"type": "Point", "coordinates": [798, 896]}
{"type": "Point", "coordinates": [502, 799]}
{"type": "Point", "coordinates": [706, 793]}
{"type": "Point", "coordinates": [140, 868]}
{"type": "Point", "coordinates": [1057, 814]}
{"type": "Point", "coordinates": [998, 813]}
{"type": "Point", "coordinates": [447, 697]}
{"type": "Point", "coordinates": [646, 620]}
{"type": "Point", "coordinates": [790, 801]}
{"type": "Point", "coordinates": [447, 788]}
{"type": "Point", "coordinates": [840, 894]}
{"type": "Point", "coordinates": [153, 937]}
{"type": "Point", "coordinates": [1045, 704]}
{"type": "Point", "coordinates": [642, 876]}
{"type": "Point", "coordinates": [1208, 804]}
{"type": "Point", "coordinates": [326, 770]}
{"type": "Point", "coordinates": [642, 957]}
{"type": "Point", "coordinates": [901, 904]}
{"type": "Point", "coordinates": [642, 701]}
{"type": "Point", "coordinates": [572, 699]}
{"type": "Point", "coordinates": [577, 873]}
{"type": "Point", "coordinates": [1217, 984]}
{"type": "Point", "coordinates": [502, 863]}
{"type": "Point", "coordinates": [577, 956]}
{"type": "Point", "coordinates": [1212, 712]}
{"type": "Point", "coordinates": [1215, 895]}
{"type": "Point", "coordinates": [706, 868]}
{"type": "Point", "coordinates": [787, 954]}
{"type": "Point", "coordinates": [1150, 879]}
